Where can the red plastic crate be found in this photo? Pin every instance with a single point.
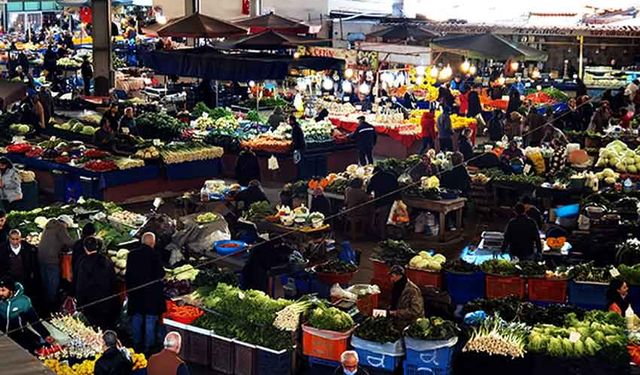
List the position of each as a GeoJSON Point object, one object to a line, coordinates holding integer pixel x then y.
{"type": "Point", "coordinates": [503, 286]}
{"type": "Point", "coordinates": [547, 290]}
{"type": "Point", "coordinates": [425, 278]}
{"type": "Point", "coordinates": [323, 344]}
{"type": "Point", "coordinates": [366, 304]}
{"type": "Point", "coordinates": [380, 269]}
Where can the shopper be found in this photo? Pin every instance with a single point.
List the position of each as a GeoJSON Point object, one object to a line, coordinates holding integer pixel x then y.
{"type": "Point", "coordinates": [514, 100]}
{"type": "Point", "coordinates": [349, 364]}
{"type": "Point", "coordinates": [46, 99]}
{"type": "Point", "coordinates": [86, 70]}
{"type": "Point", "coordinates": [585, 109]}
{"type": "Point", "coordinates": [355, 198]}
{"type": "Point", "coordinates": [366, 138]}
{"type": "Point", "coordinates": [50, 62]}
{"type": "Point", "coordinates": [383, 186]}
{"type": "Point", "coordinates": [4, 228]}
{"type": "Point", "coordinates": [464, 144]}
{"type": "Point", "coordinates": [247, 167]}
{"type": "Point", "coordinates": [428, 126]}
{"type": "Point", "coordinates": [600, 119]}
{"type": "Point", "coordinates": [95, 286]}
{"type": "Point", "coordinates": [424, 169]}
{"type": "Point", "coordinates": [512, 153]}
{"type": "Point", "coordinates": [10, 185]}
{"type": "Point", "coordinates": [445, 130]}
{"type": "Point", "coordinates": [513, 125]}
{"type": "Point", "coordinates": [276, 118]}
{"type": "Point", "coordinates": [17, 315]}
{"type": "Point", "coordinates": [252, 194]}
{"type": "Point", "coordinates": [320, 203]}
{"type": "Point", "coordinates": [88, 230]}
{"type": "Point", "coordinates": [54, 241]}
{"type": "Point", "coordinates": [299, 146]}
{"type": "Point", "coordinates": [167, 362]}
{"type": "Point", "coordinates": [495, 127]}
{"type": "Point", "coordinates": [475, 107]}
{"type": "Point", "coordinates": [115, 360]}
{"type": "Point", "coordinates": [617, 296]}
{"type": "Point", "coordinates": [19, 259]}
{"type": "Point", "coordinates": [143, 280]}
{"type": "Point", "coordinates": [406, 298]}
{"type": "Point", "coordinates": [458, 177]}
{"type": "Point", "coordinates": [522, 237]}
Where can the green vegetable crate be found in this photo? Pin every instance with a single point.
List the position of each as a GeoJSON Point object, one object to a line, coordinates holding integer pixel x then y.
{"type": "Point", "coordinates": [503, 286]}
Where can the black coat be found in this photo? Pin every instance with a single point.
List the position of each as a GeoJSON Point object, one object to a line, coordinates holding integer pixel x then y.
{"type": "Point", "coordinates": [465, 147]}
{"type": "Point", "coordinates": [30, 277]}
{"type": "Point", "coordinates": [321, 204]}
{"type": "Point", "coordinates": [95, 279]}
{"type": "Point", "coordinates": [521, 236]}
{"type": "Point", "coordinates": [365, 136]}
{"type": "Point", "coordinates": [457, 179]}
{"type": "Point", "coordinates": [113, 362]}
{"type": "Point", "coordinates": [247, 168]}
{"type": "Point", "coordinates": [383, 183]}
{"type": "Point", "coordinates": [297, 138]}
{"type": "Point", "coordinates": [144, 265]}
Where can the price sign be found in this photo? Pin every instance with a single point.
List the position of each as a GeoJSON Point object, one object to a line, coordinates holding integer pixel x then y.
{"type": "Point", "coordinates": [379, 313]}
{"type": "Point", "coordinates": [574, 337]}
{"type": "Point", "coordinates": [614, 272]}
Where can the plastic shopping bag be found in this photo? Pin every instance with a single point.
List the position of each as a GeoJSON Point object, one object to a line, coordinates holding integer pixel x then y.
{"type": "Point", "coordinates": [272, 163]}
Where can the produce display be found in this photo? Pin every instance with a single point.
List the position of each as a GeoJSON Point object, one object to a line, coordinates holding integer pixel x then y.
{"type": "Point", "coordinates": [76, 126]}
{"type": "Point", "coordinates": [259, 211]}
{"type": "Point", "coordinates": [426, 261]}
{"type": "Point", "coordinates": [182, 153]}
{"type": "Point", "coordinates": [127, 218]}
{"type": "Point", "coordinates": [207, 217]}
{"type": "Point", "coordinates": [147, 153]}
{"type": "Point", "coordinates": [497, 337]}
{"type": "Point", "coordinates": [459, 266]}
{"type": "Point", "coordinates": [85, 341]}
{"type": "Point", "coordinates": [500, 267]}
{"type": "Point", "coordinates": [317, 132]}
{"type": "Point", "coordinates": [20, 129]}
{"type": "Point", "coordinates": [589, 272]}
{"type": "Point", "coordinates": [433, 328]}
{"type": "Point", "coordinates": [330, 319]}
{"type": "Point", "coordinates": [336, 266]}
{"type": "Point", "coordinates": [619, 156]}
{"type": "Point", "coordinates": [119, 259]}
{"type": "Point", "coordinates": [380, 329]}
{"type": "Point", "coordinates": [394, 252]}
{"type": "Point", "coordinates": [159, 126]}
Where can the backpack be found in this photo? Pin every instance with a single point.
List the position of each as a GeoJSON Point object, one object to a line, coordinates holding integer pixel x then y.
{"type": "Point", "coordinates": [437, 302]}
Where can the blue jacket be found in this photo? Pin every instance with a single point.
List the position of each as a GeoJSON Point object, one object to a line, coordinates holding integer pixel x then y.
{"type": "Point", "coordinates": [17, 312]}
{"type": "Point", "coordinates": [365, 136]}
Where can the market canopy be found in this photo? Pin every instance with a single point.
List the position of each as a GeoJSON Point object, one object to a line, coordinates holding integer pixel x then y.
{"type": "Point", "coordinates": [273, 22]}
{"type": "Point", "coordinates": [269, 40]}
{"type": "Point", "coordinates": [488, 46]}
{"type": "Point", "coordinates": [209, 63]}
{"type": "Point", "coordinates": [404, 32]}
{"type": "Point", "coordinates": [198, 25]}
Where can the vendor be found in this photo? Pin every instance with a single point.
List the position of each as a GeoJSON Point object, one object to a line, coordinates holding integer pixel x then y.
{"type": "Point", "coordinates": [276, 118]}
{"type": "Point", "coordinates": [458, 177]}
{"type": "Point", "coordinates": [128, 121]}
{"type": "Point", "coordinates": [428, 130]}
{"type": "Point", "coordinates": [252, 194]}
{"type": "Point", "coordinates": [617, 296]}
{"type": "Point", "coordinates": [17, 314]}
{"type": "Point", "coordinates": [322, 115]}
{"type": "Point", "coordinates": [406, 298]}
{"type": "Point", "coordinates": [512, 153]}
{"type": "Point", "coordinates": [366, 138]}
{"type": "Point", "coordinates": [464, 144]}
{"type": "Point", "coordinates": [424, 169]}
{"type": "Point", "coordinates": [299, 146]}
{"type": "Point", "coordinates": [247, 167]}
{"type": "Point", "coordinates": [355, 198]}
{"type": "Point", "coordinates": [320, 203]}
{"type": "Point", "coordinates": [521, 236]}
{"type": "Point", "coordinates": [349, 364]}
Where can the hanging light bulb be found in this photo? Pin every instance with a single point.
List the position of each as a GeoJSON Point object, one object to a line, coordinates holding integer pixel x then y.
{"type": "Point", "coordinates": [252, 84]}
{"type": "Point", "coordinates": [348, 73]}
{"type": "Point", "coordinates": [465, 66]}
{"type": "Point", "coordinates": [347, 87]}
{"type": "Point", "coordinates": [421, 70]}
{"type": "Point", "coordinates": [364, 89]}
{"type": "Point", "coordinates": [514, 65]}
{"type": "Point", "coordinates": [296, 55]}
{"type": "Point", "coordinates": [473, 70]}
{"type": "Point", "coordinates": [434, 71]}
{"type": "Point", "coordinates": [327, 84]}
{"type": "Point", "coordinates": [445, 73]}
{"type": "Point", "coordinates": [419, 80]}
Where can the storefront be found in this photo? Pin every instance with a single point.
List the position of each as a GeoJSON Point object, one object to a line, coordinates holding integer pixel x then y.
{"type": "Point", "coordinates": [22, 15]}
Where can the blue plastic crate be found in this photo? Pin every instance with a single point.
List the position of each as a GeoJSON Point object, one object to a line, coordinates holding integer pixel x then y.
{"type": "Point", "coordinates": [272, 362]}
{"type": "Point", "coordinates": [464, 287]}
{"type": "Point", "coordinates": [319, 362]}
{"type": "Point", "coordinates": [410, 369]}
{"type": "Point", "coordinates": [380, 361]}
{"type": "Point", "coordinates": [634, 297]}
{"type": "Point", "coordinates": [439, 358]}
{"type": "Point", "coordinates": [591, 296]}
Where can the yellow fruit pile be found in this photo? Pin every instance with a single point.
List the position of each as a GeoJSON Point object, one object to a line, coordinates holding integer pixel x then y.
{"type": "Point", "coordinates": [87, 367]}
{"type": "Point", "coordinates": [460, 122]}
{"type": "Point", "coordinates": [139, 360]}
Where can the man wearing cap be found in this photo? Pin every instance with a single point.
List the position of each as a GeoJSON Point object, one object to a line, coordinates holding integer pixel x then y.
{"type": "Point", "coordinates": [365, 137]}
{"type": "Point", "coordinates": [116, 360]}
{"type": "Point", "coordinates": [54, 240]}
{"type": "Point", "coordinates": [406, 298]}
{"type": "Point", "coordinates": [17, 314]}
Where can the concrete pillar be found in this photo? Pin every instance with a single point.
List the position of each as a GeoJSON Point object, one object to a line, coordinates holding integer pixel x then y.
{"type": "Point", "coordinates": [102, 68]}
{"type": "Point", "coordinates": [190, 7]}
{"type": "Point", "coordinates": [255, 8]}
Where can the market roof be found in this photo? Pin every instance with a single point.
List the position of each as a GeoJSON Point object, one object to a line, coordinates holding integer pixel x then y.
{"type": "Point", "coordinates": [17, 361]}
{"type": "Point", "coordinates": [198, 25]}
{"type": "Point", "coordinates": [274, 22]}
{"type": "Point", "coordinates": [488, 46]}
{"type": "Point", "coordinates": [404, 32]}
{"type": "Point", "coordinates": [269, 40]}
{"type": "Point", "coordinates": [210, 63]}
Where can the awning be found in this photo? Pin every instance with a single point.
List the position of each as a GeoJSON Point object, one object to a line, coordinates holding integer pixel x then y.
{"type": "Point", "coordinates": [404, 32]}
{"type": "Point", "coordinates": [208, 63]}
{"type": "Point", "coordinates": [198, 25]}
{"type": "Point", "coordinates": [269, 40]}
{"type": "Point", "coordinates": [487, 46]}
{"type": "Point", "coordinates": [273, 22]}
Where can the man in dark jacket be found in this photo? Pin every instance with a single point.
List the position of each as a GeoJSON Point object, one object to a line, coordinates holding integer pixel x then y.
{"type": "Point", "coordinates": [521, 236]}
{"type": "Point", "coordinates": [19, 259]}
{"type": "Point", "coordinates": [299, 146]}
{"type": "Point", "coordinates": [86, 70]}
{"type": "Point", "coordinates": [115, 360]}
{"type": "Point", "coordinates": [88, 230]}
{"type": "Point", "coordinates": [252, 194]}
{"type": "Point", "coordinates": [143, 279]}
{"type": "Point", "coordinates": [94, 283]}
{"type": "Point", "coordinates": [458, 177]}
{"type": "Point", "coordinates": [382, 183]}
{"type": "Point", "coordinates": [4, 228]}
{"type": "Point", "coordinates": [464, 144]}
{"type": "Point", "coordinates": [366, 138]}
{"type": "Point", "coordinates": [247, 167]}
{"type": "Point", "coordinates": [16, 313]}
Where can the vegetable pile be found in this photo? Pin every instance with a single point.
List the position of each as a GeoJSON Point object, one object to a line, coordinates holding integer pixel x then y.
{"type": "Point", "coordinates": [590, 273]}
{"type": "Point", "coordinates": [432, 329]}
{"type": "Point", "coordinates": [336, 266]}
{"type": "Point", "coordinates": [394, 252]}
{"type": "Point", "coordinates": [330, 319]}
{"type": "Point", "coordinates": [500, 267]}
{"type": "Point", "coordinates": [459, 266]}
{"type": "Point", "coordinates": [426, 261]}
{"type": "Point", "coordinates": [497, 337]}
{"type": "Point", "coordinates": [379, 329]}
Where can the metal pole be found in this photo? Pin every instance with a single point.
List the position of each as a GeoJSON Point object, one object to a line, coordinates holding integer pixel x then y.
{"type": "Point", "coordinates": [102, 46]}
{"type": "Point", "coordinates": [580, 62]}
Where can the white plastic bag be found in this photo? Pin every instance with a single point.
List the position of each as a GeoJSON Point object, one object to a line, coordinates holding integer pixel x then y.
{"type": "Point", "coordinates": [272, 163]}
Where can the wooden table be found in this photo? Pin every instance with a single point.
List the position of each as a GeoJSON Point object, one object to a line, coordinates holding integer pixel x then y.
{"type": "Point", "coordinates": [442, 207]}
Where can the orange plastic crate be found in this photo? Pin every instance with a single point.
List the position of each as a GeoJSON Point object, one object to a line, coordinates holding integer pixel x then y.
{"type": "Point", "coordinates": [547, 290]}
{"type": "Point", "coordinates": [503, 286]}
{"type": "Point", "coordinates": [366, 304]}
{"type": "Point", "coordinates": [322, 344]}
{"type": "Point", "coordinates": [425, 278]}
